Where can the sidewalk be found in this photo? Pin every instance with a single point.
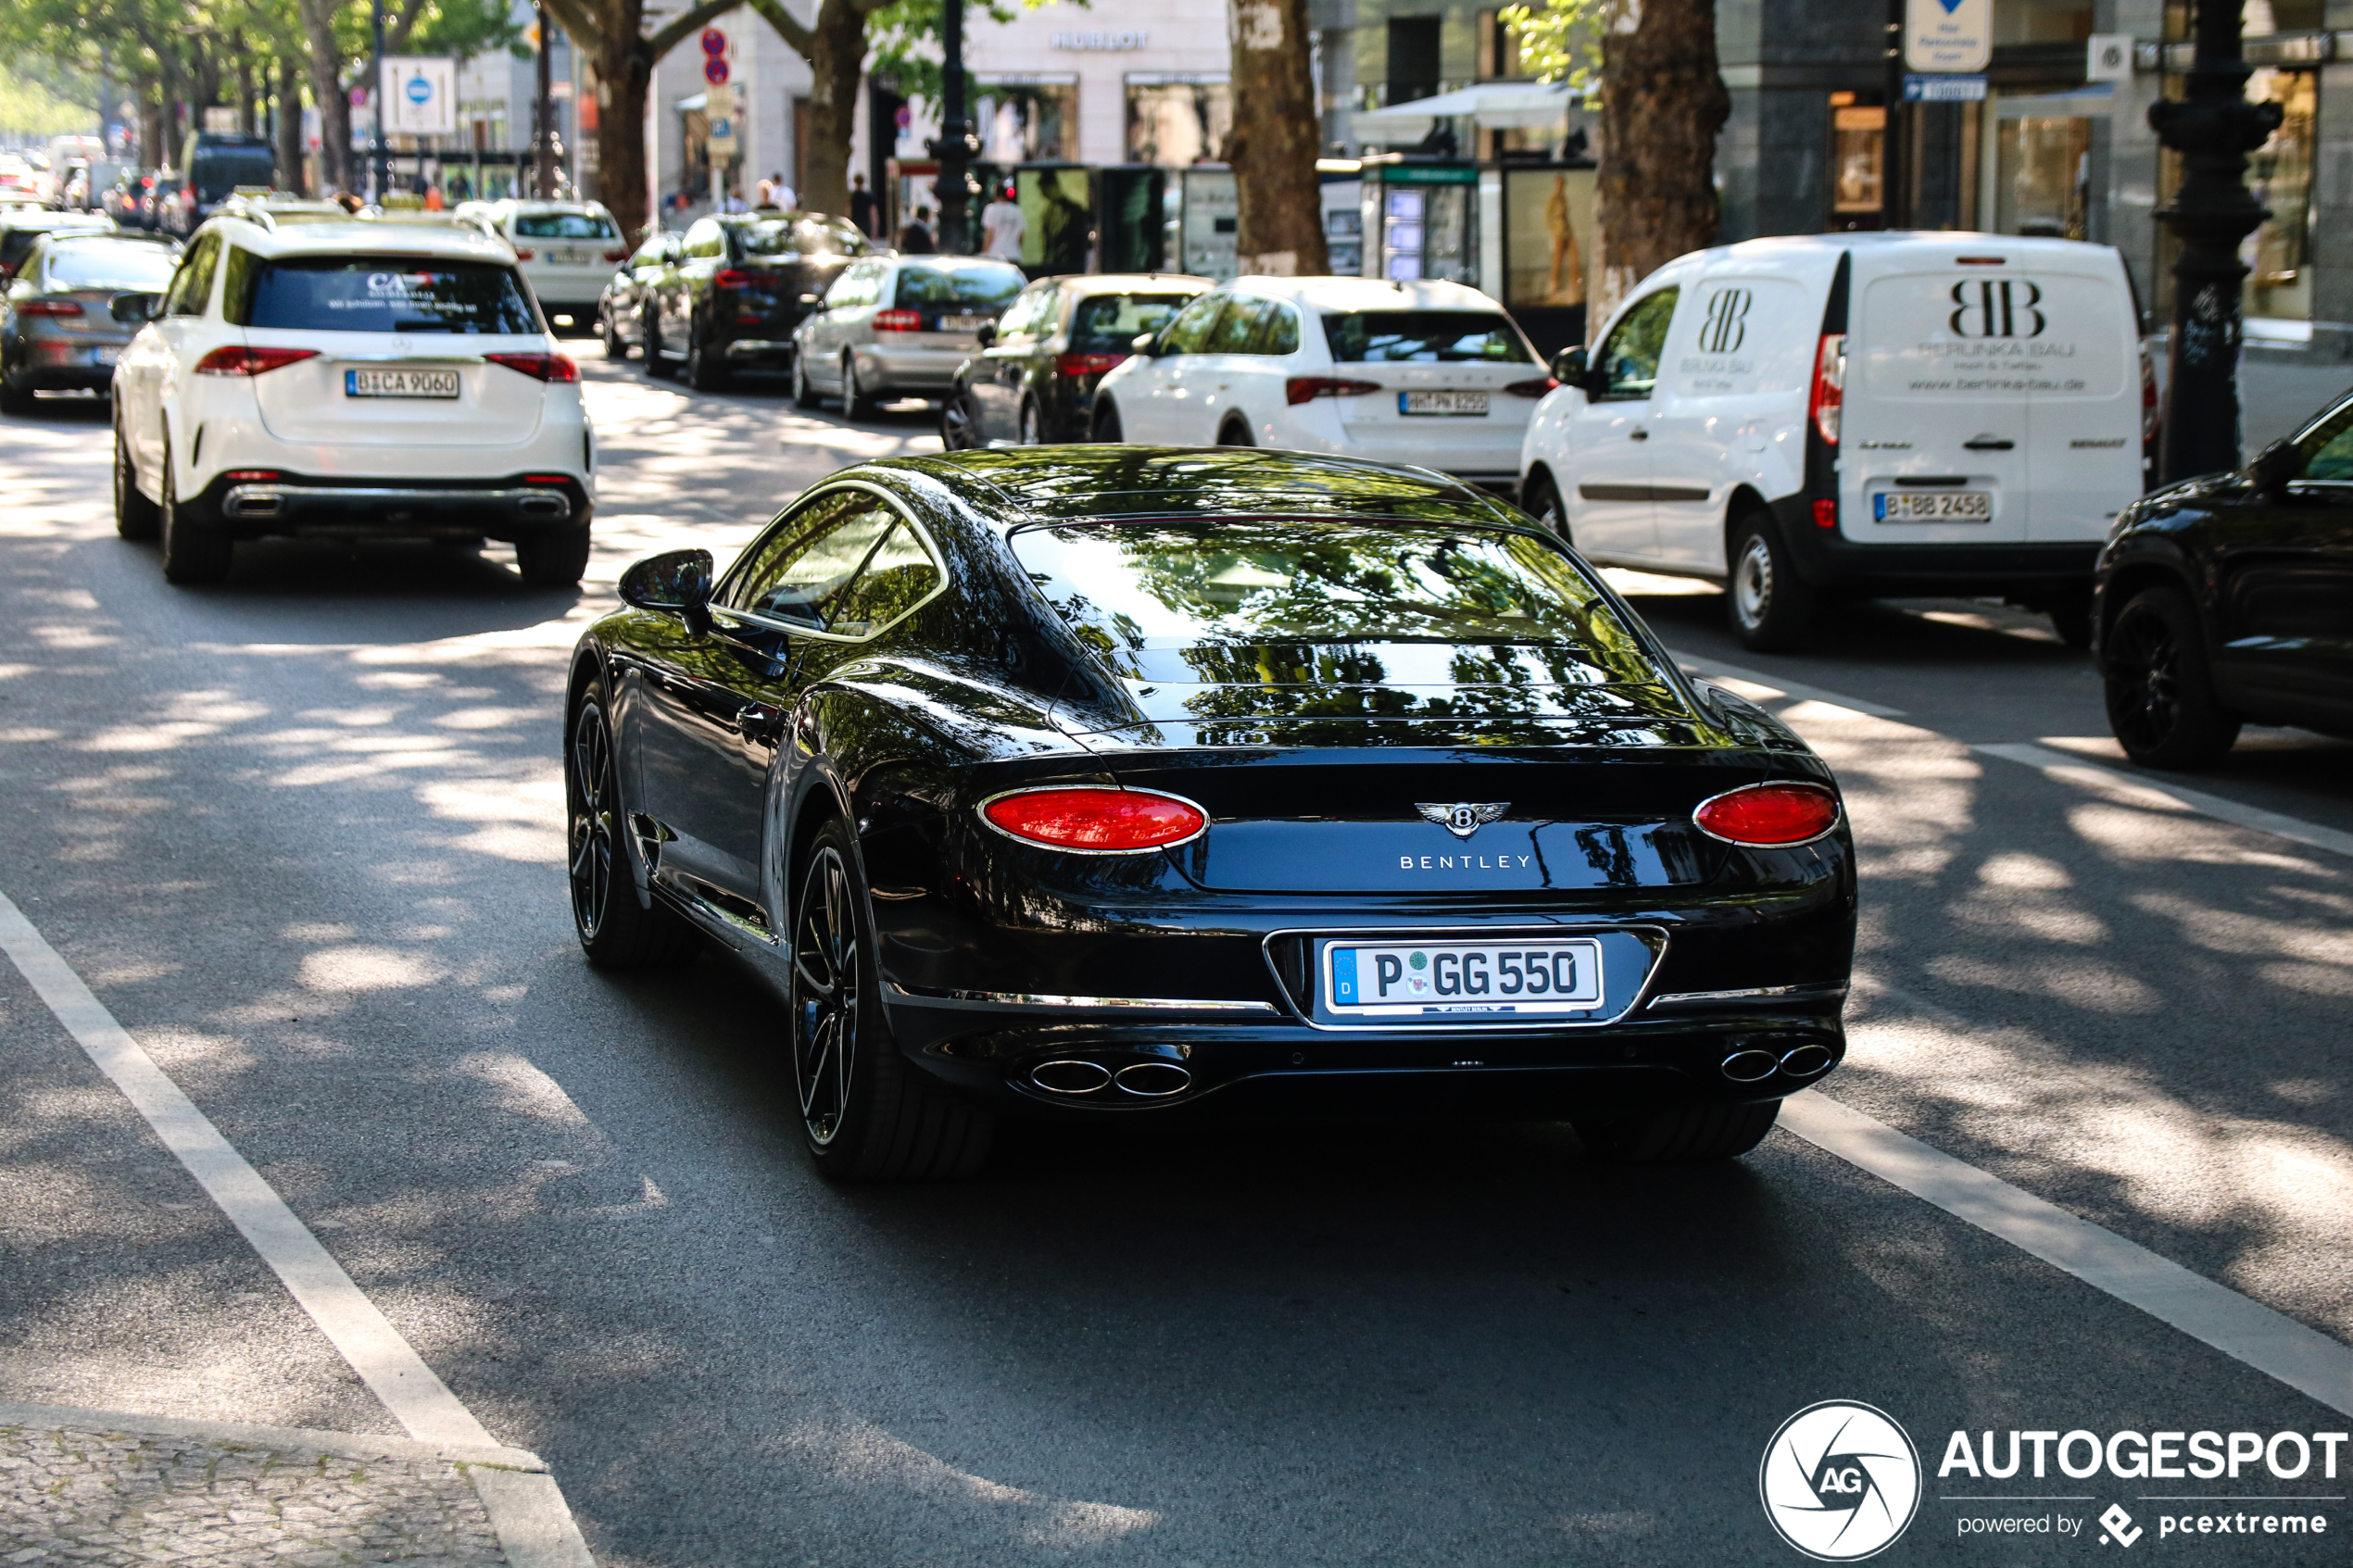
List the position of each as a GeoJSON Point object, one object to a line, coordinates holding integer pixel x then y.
{"type": "Point", "coordinates": [98, 1488]}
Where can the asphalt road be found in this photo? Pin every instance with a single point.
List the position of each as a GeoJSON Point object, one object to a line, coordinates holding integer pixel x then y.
{"type": "Point", "coordinates": [302, 835]}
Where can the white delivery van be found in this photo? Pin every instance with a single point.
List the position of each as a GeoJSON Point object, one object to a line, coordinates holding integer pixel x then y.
{"type": "Point", "coordinates": [1814, 416]}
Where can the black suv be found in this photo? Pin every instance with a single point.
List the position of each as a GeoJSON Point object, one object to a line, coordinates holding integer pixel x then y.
{"type": "Point", "coordinates": [212, 164]}
{"type": "Point", "coordinates": [2229, 599]}
{"type": "Point", "coordinates": [740, 285]}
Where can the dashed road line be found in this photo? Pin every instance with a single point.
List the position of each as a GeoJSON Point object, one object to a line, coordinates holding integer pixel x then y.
{"type": "Point", "coordinates": [535, 1526]}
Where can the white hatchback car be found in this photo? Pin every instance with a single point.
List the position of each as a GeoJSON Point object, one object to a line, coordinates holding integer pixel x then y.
{"type": "Point", "coordinates": [354, 378]}
{"type": "Point", "coordinates": [568, 251]}
{"type": "Point", "coordinates": [1428, 373]}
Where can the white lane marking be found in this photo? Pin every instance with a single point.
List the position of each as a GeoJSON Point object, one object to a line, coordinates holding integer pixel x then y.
{"type": "Point", "coordinates": [1777, 685]}
{"type": "Point", "coordinates": [364, 1336]}
{"type": "Point", "coordinates": [2244, 1330]}
{"type": "Point", "coordinates": [2075, 771]}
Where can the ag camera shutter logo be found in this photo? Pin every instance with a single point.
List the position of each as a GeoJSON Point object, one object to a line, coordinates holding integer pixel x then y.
{"type": "Point", "coordinates": [1840, 1481]}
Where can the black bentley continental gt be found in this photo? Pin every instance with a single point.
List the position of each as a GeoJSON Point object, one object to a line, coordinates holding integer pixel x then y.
{"type": "Point", "coordinates": [1104, 781]}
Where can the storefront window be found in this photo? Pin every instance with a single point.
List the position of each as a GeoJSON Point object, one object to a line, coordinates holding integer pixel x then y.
{"type": "Point", "coordinates": [1026, 119]}
{"type": "Point", "coordinates": [2278, 254]}
{"type": "Point", "coordinates": [1176, 118]}
{"type": "Point", "coordinates": [2041, 176]}
{"type": "Point", "coordinates": [1858, 153]}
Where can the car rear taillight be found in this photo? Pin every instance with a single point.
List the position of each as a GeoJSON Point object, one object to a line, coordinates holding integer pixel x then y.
{"type": "Point", "coordinates": [1086, 364]}
{"type": "Point", "coordinates": [545, 479]}
{"type": "Point", "coordinates": [2152, 412]}
{"type": "Point", "coordinates": [49, 308]}
{"type": "Point", "coordinates": [616, 255]}
{"type": "Point", "coordinates": [526, 254]}
{"type": "Point", "coordinates": [1305, 389]}
{"type": "Point", "coordinates": [1830, 387]}
{"type": "Point", "coordinates": [1094, 821]}
{"type": "Point", "coordinates": [243, 362]}
{"type": "Point", "coordinates": [1768, 815]}
{"type": "Point", "coordinates": [539, 366]}
{"type": "Point", "coordinates": [254, 476]}
{"type": "Point", "coordinates": [731, 278]}
{"type": "Point", "coordinates": [898, 320]}
{"type": "Point", "coordinates": [1535, 387]}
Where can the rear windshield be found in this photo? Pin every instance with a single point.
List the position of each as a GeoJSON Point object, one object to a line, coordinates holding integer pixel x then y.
{"type": "Point", "coordinates": [990, 288]}
{"type": "Point", "coordinates": [1390, 338]}
{"type": "Point", "coordinates": [564, 226]}
{"type": "Point", "coordinates": [379, 293]}
{"type": "Point", "coordinates": [1129, 588]}
{"type": "Point", "coordinates": [1108, 323]}
{"type": "Point", "coordinates": [810, 235]}
{"type": "Point", "coordinates": [125, 265]}
{"type": "Point", "coordinates": [218, 171]}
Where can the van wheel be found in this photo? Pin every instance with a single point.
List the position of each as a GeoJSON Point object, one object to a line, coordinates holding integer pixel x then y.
{"type": "Point", "coordinates": [1540, 499]}
{"type": "Point", "coordinates": [2161, 702]}
{"type": "Point", "coordinates": [1106, 430]}
{"type": "Point", "coordinates": [1771, 606]}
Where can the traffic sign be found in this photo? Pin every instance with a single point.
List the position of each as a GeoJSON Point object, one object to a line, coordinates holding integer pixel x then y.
{"type": "Point", "coordinates": [715, 69]}
{"type": "Point", "coordinates": [420, 96]}
{"type": "Point", "coordinates": [1948, 35]}
{"type": "Point", "coordinates": [713, 41]}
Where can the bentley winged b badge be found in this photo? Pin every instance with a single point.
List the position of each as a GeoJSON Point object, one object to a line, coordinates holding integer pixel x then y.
{"type": "Point", "coordinates": [1462, 818]}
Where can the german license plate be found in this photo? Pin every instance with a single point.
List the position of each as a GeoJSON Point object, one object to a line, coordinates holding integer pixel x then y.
{"type": "Point", "coordinates": [400, 383]}
{"type": "Point", "coordinates": [961, 323]}
{"type": "Point", "coordinates": [1455, 403]}
{"type": "Point", "coordinates": [568, 258]}
{"type": "Point", "coordinates": [1932, 506]}
{"type": "Point", "coordinates": [1492, 980]}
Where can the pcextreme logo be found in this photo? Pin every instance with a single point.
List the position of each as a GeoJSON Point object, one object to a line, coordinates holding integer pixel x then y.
{"type": "Point", "coordinates": [1840, 1481]}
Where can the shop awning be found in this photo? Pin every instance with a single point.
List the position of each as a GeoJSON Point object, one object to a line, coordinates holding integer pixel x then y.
{"type": "Point", "coordinates": [1492, 105]}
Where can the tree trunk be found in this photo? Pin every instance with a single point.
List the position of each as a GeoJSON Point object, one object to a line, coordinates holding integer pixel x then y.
{"type": "Point", "coordinates": [1663, 100]}
{"type": "Point", "coordinates": [837, 58]}
{"type": "Point", "coordinates": [624, 75]}
{"type": "Point", "coordinates": [1277, 135]}
{"type": "Point", "coordinates": [245, 83]}
{"type": "Point", "coordinates": [327, 92]}
{"type": "Point", "coordinates": [290, 129]}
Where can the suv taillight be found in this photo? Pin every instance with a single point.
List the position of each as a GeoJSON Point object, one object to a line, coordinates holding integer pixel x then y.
{"type": "Point", "coordinates": [539, 367]}
{"type": "Point", "coordinates": [1830, 387]}
{"type": "Point", "coordinates": [243, 362]}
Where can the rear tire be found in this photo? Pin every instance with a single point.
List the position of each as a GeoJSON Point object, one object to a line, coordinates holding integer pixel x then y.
{"type": "Point", "coordinates": [615, 350]}
{"type": "Point", "coordinates": [135, 517]}
{"type": "Point", "coordinates": [856, 403]}
{"type": "Point", "coordinates": [1106, 429]}
{"type": "Point", "coordinates": [803, 394]}
{"type": "Point", "coordinates": [195, 554]}
{"type": "Point", "coordinates": [14, 399]}
{"type": "Point", "coordinates": [556, 558]}
{"type": "Point", "coordinates": [1771, 607]}
{"type": "Point", "coordinates": [615, 930]}
{"type": "Point", "coordinates": [1680, 1135]}
{"type": "Point", "coordinates": [703, 372]}
{"type": "Point", "coordinates": [865, 1116]}
{"type": "Point", "coordinates": [1032, 428]}
{"type": "Point", "coordinates": [2161, 701]}
{"type": "Point", "coordinates": [959, 431]}
{"type": "Point", "coordinates": [1540, 499]}
{"type": "Point", "coordinates": [657, 368]}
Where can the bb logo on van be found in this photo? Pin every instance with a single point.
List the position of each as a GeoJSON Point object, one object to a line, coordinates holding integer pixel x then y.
{"type": "Point", "coordinates": [1988, 308]}
{"type": "Point", "coordinates": [1726, 327]}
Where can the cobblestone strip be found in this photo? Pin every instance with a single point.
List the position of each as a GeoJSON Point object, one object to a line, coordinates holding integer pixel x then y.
{"type": "Point", "coordinates": [86, 1494]}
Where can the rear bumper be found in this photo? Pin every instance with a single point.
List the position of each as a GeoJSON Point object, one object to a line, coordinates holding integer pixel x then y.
{"type": "Point", "coordinates": [1826, 559]}
{"type": "Point", "coordinates": [301, 504]}
{"type": "Point", "coordinates": [760, 351]}
{"type": "Point", "coordinates": [916, 369]}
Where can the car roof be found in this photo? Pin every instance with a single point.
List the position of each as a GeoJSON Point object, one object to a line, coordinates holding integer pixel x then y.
{"type": "Point", "coordinates": [1133, 282]}
{"type": "Point", "coordinates": [42, 218]}
{"type": "Point", "coordinates": [1366, 293]}
{"type": "Point", "coordinates": [363, 236]}
{"type": "Point", "coordinates": [1090, 482]}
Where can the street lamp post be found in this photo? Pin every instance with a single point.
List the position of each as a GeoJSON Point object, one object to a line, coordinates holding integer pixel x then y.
{"type": "Point", "coordinates": [383, 180]}
{"type": "Point", "coordinates": [956, 145]}
{"type": "Point", "coordinates": [2213, 127]}
{"type": "Point", "coordinates": [542, 141]}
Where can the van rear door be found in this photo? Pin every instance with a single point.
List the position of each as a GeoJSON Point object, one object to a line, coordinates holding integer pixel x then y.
{"type": "Point", "coordinates": [2084, 456]}
{"type": "Point", "coordinates": [1933, 439]}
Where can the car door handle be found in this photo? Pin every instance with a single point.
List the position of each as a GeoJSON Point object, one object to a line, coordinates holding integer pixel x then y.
{"type": "Point", "coordinates": [1639, 433]}
{"type": "Point", "coordinates": [1988, 444]}
{"type": "Point", "coordinates": [759, 724]}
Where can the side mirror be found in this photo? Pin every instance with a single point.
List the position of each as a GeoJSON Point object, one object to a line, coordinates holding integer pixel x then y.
{"type": "Point", "coordinates": [135, 310]}
{"type": "Point", "coordinates": [1568, 367]}
{"type": "Point", "coordinates": [985, 332]}
{"type": "Point", "coordinates": [2275, 466]}
{"type": "Point", "coordinates": [1146, 343]}
{"type": "Point", "coordinates": [676, 582]}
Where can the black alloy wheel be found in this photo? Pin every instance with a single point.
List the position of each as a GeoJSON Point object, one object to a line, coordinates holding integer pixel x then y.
{"type": "Point", "coordinates": [1540, 499]}
{"type": "Point", "coordinates": [610, 330]}
{"type": "Point", "coordinates": [194, 553]}
{"type": "Point", "coordinates": [856, 403]}
{"type": "Point", "coordinates": [705, 371]}
{"type": "Point", "coordinates": [959, 429]}
{"type": "Point", "coordinates": [863, 1115]}
{"type": "Point", "coordinates": [1771, 606]}
{"type": "Point", "coordinates": [1106, 429]}
{"type": "Point", "coordinates": [803, 394]}
{"type": "Point", "coordinates": [2161, 702]}
{"type": "Point", "coordinates": [616, 930]}
{"type": "Point", "coordinates": [657, 368]}
{"type": "Point", "coordinates": [135, 517]}
{"type": "Point", "coordinates": [1681, 1135]}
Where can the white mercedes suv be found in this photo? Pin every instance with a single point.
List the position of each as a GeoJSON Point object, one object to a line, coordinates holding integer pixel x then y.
{"type": "Point", "coordinates": [352, 378]}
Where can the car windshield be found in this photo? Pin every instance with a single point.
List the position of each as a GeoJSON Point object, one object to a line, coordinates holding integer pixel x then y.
{"type": "Point", "coordinates": [218, 171]}
{"type": "Point", "coordinates": [806, 235]}
{"type": "Point", "coordinates": [382, 294]}
{"type": "Point", "coordinates": [128, 266]}
{"type": "Point", "coordinates": [981, 286]}
{"type": "Point", "coordinates": [564, 226]}
{"type": "Point", "coordinates": [1130, 587]}
{"type": "Point", "coordinates": [20, 237]}
{"type": "Point", "coordinates": [1389, 337]}
{"type": "Point", "coordinates": [1108, 323]}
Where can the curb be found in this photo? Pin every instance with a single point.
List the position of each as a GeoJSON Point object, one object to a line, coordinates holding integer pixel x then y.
{"type": "Point", "coordinates": [526, 1508]}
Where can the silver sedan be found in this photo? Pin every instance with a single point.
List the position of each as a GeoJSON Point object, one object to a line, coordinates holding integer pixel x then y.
{"type": "Point", "coordinates": [57, 329]}
{"type": "Point", "coordinates": [892, 326]}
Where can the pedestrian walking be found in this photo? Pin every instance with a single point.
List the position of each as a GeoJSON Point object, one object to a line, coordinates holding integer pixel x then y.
{"type": "Point", "coordinates": [862, 205]}
{"type": "Point", "coordinates": [1003, 226]}
{"type": "Point", "coordinates": [916, 238]}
